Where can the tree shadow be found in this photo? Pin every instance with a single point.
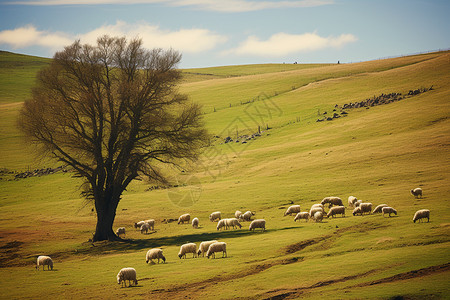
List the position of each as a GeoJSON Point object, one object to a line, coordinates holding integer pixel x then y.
{"type": "Point", "coordinates": [178, 240]}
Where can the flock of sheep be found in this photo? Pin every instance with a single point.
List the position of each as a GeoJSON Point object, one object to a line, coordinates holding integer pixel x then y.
{"type": "Point", "coordinates": [209, 248]}
{"type": "Point", "coordinates": [336, 206]}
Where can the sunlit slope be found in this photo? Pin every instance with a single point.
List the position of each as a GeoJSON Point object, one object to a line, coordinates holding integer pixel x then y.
{"type": "Point", "coordinates": [17, 75]}
{"type": "Point", "coordinates": [221, 93]}
{"type": "Point", "coordinates": [375, 154]}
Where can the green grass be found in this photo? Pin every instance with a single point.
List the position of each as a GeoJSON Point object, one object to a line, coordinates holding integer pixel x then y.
{"type": "Point", "coordinates": [17, 75]}
{"type": "Point", "coordinates": [375, 154]}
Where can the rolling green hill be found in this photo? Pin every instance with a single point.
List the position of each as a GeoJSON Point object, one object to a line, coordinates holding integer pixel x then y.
{"type": "Point", "coordinates": [267, 153]}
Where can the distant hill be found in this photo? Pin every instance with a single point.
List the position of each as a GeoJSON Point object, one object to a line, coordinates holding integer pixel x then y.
{"type": "Point", "coordinates": [17, 75]}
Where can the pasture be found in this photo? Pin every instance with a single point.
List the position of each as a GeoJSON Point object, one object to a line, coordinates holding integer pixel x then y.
{"type": "Point", "coordinates": [376, 154]}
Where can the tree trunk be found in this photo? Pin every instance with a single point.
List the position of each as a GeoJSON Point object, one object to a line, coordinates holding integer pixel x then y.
{"type": "Point", "coordinates": [105, 219]}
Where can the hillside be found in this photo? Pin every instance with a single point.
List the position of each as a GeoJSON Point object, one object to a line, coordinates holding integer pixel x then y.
{"type": "Point", "coordinates": [268, 152]}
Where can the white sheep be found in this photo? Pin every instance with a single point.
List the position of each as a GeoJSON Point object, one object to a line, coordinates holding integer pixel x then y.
{"type": "Point", "coordinates": [187, 248]}
{"type": "Point", "coordinates": [195, 223]}
{"type": "Point", "coordinates": [215, 216]}
{"type": "Point", "coordinates": [151, 224]}
{"type": "Point", "coordinates": [421, 214]}
{"type": "Point", "coordinates": [366, 208]}
{"type": "Point", "coordinates": [127, 274]}
{"type": "Point", "coordinates": [293, 209]}
{"type": "Point", "coordinates": [247, 216]}
{"type": "Point", "coordinates": [155, 253]}
{"type": "Point", "coordinates": [43, 261]}
{"type": "Point", "coordinates": [332, 201]}
{"type": "Point", "coordinates": [258, 223]}
{"type": "Point", "coordinates": [120, 231]}
{"type": "Point", "coordinates": [217, 247]}
{"type": "Point", "coordinates": [184, 218]}
{"type": "Point", "coordinates": [139, 224]}
{"type": "Point", "coordinates": [221, 224]}
{"type": "Point", "coordinates": [313, 210]}
{"type": "Point", "coordinates": [318, 216]}
{"type": "Point", "coordinates": [388, 210]}
{"type": "Point", "coordinates": [203, 248]}
{"type": "Point", "coordinates": [232, 222]}
{"type": "Point", "coordinates": [357, 211]}
{"type": "Point", "coordinates": [379, 208]}
{"type": "Point", "coordinates": [337, 210]}
{"type": "Point", "coordinates": [351, 201]}
{"type": "Point", "coordinates": [238, 214]}
{"type": "Point", "coordinates": [417, 192]}
{"type": "Point", "coordinates": [302, 215]}
{"type": "Point", "coordinates": [144, 228]}
{"type": "Point", "coordinates": [358, 203]}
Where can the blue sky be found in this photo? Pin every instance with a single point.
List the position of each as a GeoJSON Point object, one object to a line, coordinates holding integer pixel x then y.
{"type": "Point", "coordinates": [231, 32]}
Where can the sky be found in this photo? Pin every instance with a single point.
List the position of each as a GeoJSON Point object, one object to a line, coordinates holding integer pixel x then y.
{"type": "Point", "coordinates": [234, 32]}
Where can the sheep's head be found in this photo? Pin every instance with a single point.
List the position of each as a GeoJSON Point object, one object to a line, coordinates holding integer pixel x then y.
{"type": "Point", "coordinates": [180, 255]}
{"type": "Point", "coordinates": [163, 258]}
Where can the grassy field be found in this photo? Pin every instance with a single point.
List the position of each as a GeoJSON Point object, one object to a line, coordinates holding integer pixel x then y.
{"type": "Point", "coordinates": [375, 154]}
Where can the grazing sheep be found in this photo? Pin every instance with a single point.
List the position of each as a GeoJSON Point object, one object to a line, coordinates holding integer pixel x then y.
{"type": "Point", "coordinates": [120, 230]}
{"type": "Point", "coordinates": [332, 201]}
{"type": "Point", "coordinates": [417, 192]}
{"type": "Point", "coordinates": [203, 248]}
{"type": "Point", "coordinates": [145, 227]}
{"type": "Point", "coordinates": [379, 208]}
{"type": "Point", "coordinates": [215, 216]}
{"type": "Point", "coordinates": [421, 214]}
{"type": "Point", "coordinates": [127, 274]}
{"type": "Point", "coordinates": [151, 224]}
{"type": "Point", "coordinates": [313, 210]}
{"type": "Point", "coordinates": [195, 223]}
{"type": "Point", "coordinates": [293, 209]}
{"type": "Point", "coordinates": [318, 216]}
{"type": "Point", "coordinates": [358, 203]}
{"type": "Point", "coordinates": [232, 222]}
{"type": "Point", "coordinates": [155, 253]}
{"type": "Point", "coordinates": [247, 216]}
{"type": "Point", "coordinates": [238, 214]}
{"type": "Point", "coordinates": [187, 248]}
{"type": "Point", "coordinates": [221, 224]}
{"type": "Point", "coordinates": [366, 208]}
{"type": "Point", "coordinates": [357, 211]}
{"type": "Point", "coordinates": [217, 247]}
{"type": "Point", "coordinates": [43, 261]}
{"type": "Point", "coordinates": [302, 215]}
{"type": "Point", "coordinates": [388, 210]}
{"type": "Point", "coordinates": [139, 224]}
{"type": "Point", "coordinates": [258, 223]}
{"type": "Point", "coordinates": [351, 201]}
{"type": "Point", "coordinates": [338, 210]}
{"type": "Point", "coordinates": [184, 218]}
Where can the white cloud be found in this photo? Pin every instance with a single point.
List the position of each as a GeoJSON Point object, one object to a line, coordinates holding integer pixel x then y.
{"type": "Point", "coordinates": [183, 40]}
{"type": "Point", "coordinates": [246, 5]}
{"type": "Point", "coordinates": [209, 5]}
{"type": "Point", "coordinates": [281, 44]}
{"type": "Point", "coordinates": [29, 36]}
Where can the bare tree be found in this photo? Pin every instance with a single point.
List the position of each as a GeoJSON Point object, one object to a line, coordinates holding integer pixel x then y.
{"type": "Point", "coordinates": [112, 112]}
